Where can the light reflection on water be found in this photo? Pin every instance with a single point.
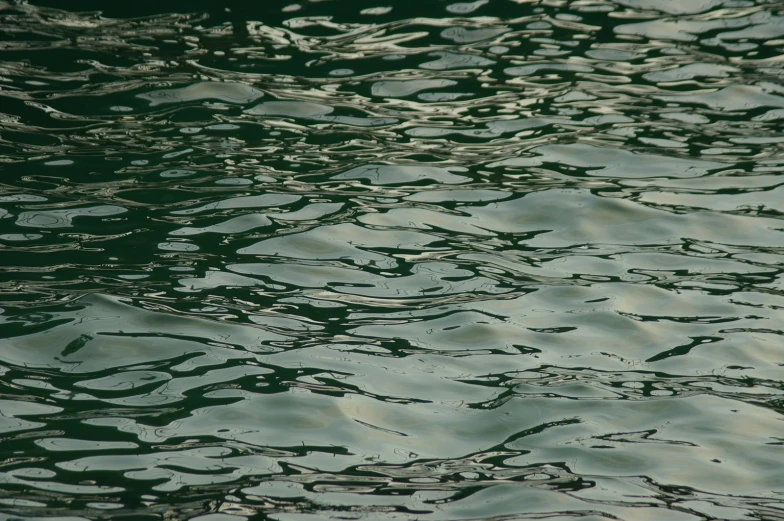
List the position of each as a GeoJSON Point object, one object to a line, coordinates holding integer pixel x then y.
{"type": "Point", "coordinates": [479, 260]}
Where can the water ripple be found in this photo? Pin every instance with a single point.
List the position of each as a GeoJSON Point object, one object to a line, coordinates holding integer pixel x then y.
{"type": "Point", "coordinates": [472, 260]}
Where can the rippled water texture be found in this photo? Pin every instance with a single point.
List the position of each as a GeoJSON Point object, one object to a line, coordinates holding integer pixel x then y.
{"type": "Point", "coordinates": [489, 260]}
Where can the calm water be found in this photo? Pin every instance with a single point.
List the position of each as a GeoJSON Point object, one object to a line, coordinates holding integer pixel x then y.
{"type": "Point", "coordinates": [489, 260]}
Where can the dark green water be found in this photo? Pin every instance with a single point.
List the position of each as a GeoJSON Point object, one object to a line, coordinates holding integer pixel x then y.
{"type": "Point", "coordinates": [492, 260]}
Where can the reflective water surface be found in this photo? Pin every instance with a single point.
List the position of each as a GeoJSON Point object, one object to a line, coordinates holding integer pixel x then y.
{"type": "Point", "coordinates": [491, 260]}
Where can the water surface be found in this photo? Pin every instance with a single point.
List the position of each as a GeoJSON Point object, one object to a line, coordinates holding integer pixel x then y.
{"type": "Point", "coordinates": [489, 260]}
